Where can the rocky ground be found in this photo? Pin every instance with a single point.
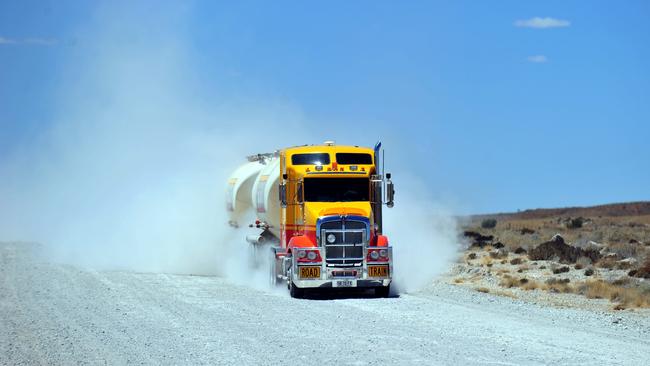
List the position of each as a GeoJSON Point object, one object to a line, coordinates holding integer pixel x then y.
{"type": "Point", "coordinates": [598, 262]}
{"type": "Point", "coordinates": [61, 315]}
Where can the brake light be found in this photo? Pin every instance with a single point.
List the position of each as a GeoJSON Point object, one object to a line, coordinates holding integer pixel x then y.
{"type": "Point", "coordinates": [309, 256]}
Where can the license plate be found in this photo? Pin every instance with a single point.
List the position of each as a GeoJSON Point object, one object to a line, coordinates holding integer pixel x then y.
{"type": "Point", "coordinates": [345, 283]}
{"type": "Point", "coordinates": [309, 272]}
{"type": "Point", "coordinates": [378, 271]}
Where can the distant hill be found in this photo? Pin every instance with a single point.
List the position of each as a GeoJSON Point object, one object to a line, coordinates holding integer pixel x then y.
{"type": "Point", "coordinates": [611, 210]}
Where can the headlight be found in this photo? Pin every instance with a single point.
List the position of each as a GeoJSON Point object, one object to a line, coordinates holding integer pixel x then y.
{"type": "Point", "coordinates": [374, 255]}
{"type": "Point", "coordinates": [301, 254]}
{"type": "Point", "coordinates": [311, 256]}
{"type": "Point", "coordinates": [383, 253]}
{"type": "Point", "coordinates": [331, 238]}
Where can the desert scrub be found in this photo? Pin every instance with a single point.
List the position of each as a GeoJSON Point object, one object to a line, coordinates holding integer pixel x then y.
{"type": "Point", "coordinates": [558, 285]}
{"type": "Point", "coordinates": [575, 223]}
{"type": "Point", "coordinates": [489, 223]}
{"type": "Point", "coordinates": [486, 261]}
{"type": "Point", "coordinates": [643, 271]}
{"type": "Point", "coordinates": [517, 261]}
{"type": "Point", "coordinates": [583, 262]}
{"type": "Point", "coordinates": [559, 270]}
{"type": "Point", "coordinates": [627, 250]}
{"type": "Point", "coordinates": [499, 253]}
{"type": "Point", "coordinates": [624, 297]}
{"type": "Point", "coordinates": [523, 283]}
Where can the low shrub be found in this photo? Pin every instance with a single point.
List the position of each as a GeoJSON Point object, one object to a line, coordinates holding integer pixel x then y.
{"type": "Point", "coordinates": [643, 271]}
{"type": "Point", "coordinates": [563, 269]}
{"type": "Point", "coordinates": [516, 261]}
{"type": "Point", "coordinates": [520, 250]}
{"type": "Point", "coordinates": [575, 223]}
{"type": "Point", "coordinates": [625, 297]}
{"type": "Point", "coordinates": [489, 223]}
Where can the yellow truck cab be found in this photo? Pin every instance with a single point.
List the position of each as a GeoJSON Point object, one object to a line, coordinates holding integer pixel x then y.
{"type": "Point", "coordinates": [330, 217]}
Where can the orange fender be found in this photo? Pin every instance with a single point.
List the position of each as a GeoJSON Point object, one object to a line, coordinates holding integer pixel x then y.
{"type": "Point", "coordinates": [300, 241]}
{"type": "Point", "coordinates": [382, 241]}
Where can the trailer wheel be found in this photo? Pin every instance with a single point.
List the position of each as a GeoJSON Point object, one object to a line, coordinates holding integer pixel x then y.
{"type": "Point", "coordinates": [382, 291]}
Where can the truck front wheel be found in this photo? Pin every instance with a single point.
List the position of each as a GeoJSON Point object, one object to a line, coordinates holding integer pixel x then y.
{"type": "Point", "coordinates": [382, 291]}
{"type": "Point", "coordinates": [296, 292]}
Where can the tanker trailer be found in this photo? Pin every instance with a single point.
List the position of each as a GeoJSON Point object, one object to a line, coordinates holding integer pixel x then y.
{"type": "Point", "coordinates": [318, 213]}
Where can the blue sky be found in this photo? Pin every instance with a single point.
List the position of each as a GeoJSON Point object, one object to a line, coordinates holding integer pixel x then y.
{"type": "Point", "coordinates": [495, 109]}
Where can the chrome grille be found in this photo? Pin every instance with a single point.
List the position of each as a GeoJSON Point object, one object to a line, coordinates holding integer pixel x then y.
{"type": "Point", "coordinates": [347, 248]}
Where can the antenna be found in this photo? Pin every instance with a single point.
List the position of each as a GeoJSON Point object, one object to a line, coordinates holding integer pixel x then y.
{"type": "Point", "coordinates": [383, 161]}
{"type": "Point", "coordinates": [383, 170]}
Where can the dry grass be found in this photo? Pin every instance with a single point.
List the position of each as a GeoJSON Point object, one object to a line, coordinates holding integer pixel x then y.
{"type": "Point", "coordinates": [484, 290]}
{"type": "Point", "coordinates": [458, 280]}
{"type": "Point", "coordinates": [509, 281]}
{"type": "Point", "coordinates": [643, 271]}
{"type": "Point", "coordinates": [523, 283]}
{"type": "Point", "coordinates": [625, 297]}
{"type": "Point", "coordinates": [530, 285]}
{"type": "Point", "coordinates": [499, 254]}
{"type": "Point", "coordinates": [486, 261]}
{"type": "Point", "coordinates": [620, 230]}
{"type": "Point", "coordinates": [626, 250]}
{"type": "Point", "coordinates": [505, 293]}
{"type": "Point", "coordinates": [517, 261]}
{"type": "Point", "coordinates": [558, 286]}
{"type": "Point", "coordinates": [622, 236]}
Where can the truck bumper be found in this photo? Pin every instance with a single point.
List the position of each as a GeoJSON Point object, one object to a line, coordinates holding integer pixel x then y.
{"type": "Point", "coordinates": [342, 283]}
{"type": "Point", "coordinates": [356, 276]}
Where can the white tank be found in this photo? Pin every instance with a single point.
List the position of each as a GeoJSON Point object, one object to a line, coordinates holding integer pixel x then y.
{"type": "Point", "coordinates": [265, 195]}
{"type": "Point", "coordinates": [238, 191]}
{"type": "Point", "coordinates": [253, 190]}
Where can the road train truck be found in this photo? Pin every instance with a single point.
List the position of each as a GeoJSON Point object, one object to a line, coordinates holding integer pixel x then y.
{"type": "Point", "coordinates": [316, 212]}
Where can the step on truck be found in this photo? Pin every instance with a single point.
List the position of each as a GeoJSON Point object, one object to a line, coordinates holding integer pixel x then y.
{"type": "Point", "coordinates": [318, 216]}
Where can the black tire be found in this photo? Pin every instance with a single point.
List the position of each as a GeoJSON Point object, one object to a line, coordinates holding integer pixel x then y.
{"type": "Point", "coordinates": [296, 292]}
{"type": "Point", "coordinates": [383, 291]}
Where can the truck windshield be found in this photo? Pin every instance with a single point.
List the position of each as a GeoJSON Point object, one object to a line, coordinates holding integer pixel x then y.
{"type": "Point", "coordinates": [337, 189]}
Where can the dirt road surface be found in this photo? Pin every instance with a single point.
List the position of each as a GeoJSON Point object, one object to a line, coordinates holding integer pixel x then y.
{"type": "Point", "coordinates": [59, 314]}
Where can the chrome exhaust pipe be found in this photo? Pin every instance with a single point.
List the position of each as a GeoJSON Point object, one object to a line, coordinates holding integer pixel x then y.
{"type": "Point", "coordinates": [255, 239]}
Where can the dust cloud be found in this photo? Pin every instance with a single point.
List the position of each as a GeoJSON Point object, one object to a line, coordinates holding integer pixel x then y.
{"type": "Point", "coordinates": [130, 171]}
{"type": "Point", "coordinates": [423, 233]}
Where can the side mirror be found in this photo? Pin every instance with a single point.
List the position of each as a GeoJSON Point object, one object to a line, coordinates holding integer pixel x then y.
{"type": "Point", "coordinates": [283, 195]}
{"type": "Point", "coordinates": [299, 192]}
{"type": "Point", "coordinates": [390, 192]}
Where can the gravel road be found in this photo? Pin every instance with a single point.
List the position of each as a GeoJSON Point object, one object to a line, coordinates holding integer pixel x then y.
{"type": "Point", "coordinates": [58, 314]}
